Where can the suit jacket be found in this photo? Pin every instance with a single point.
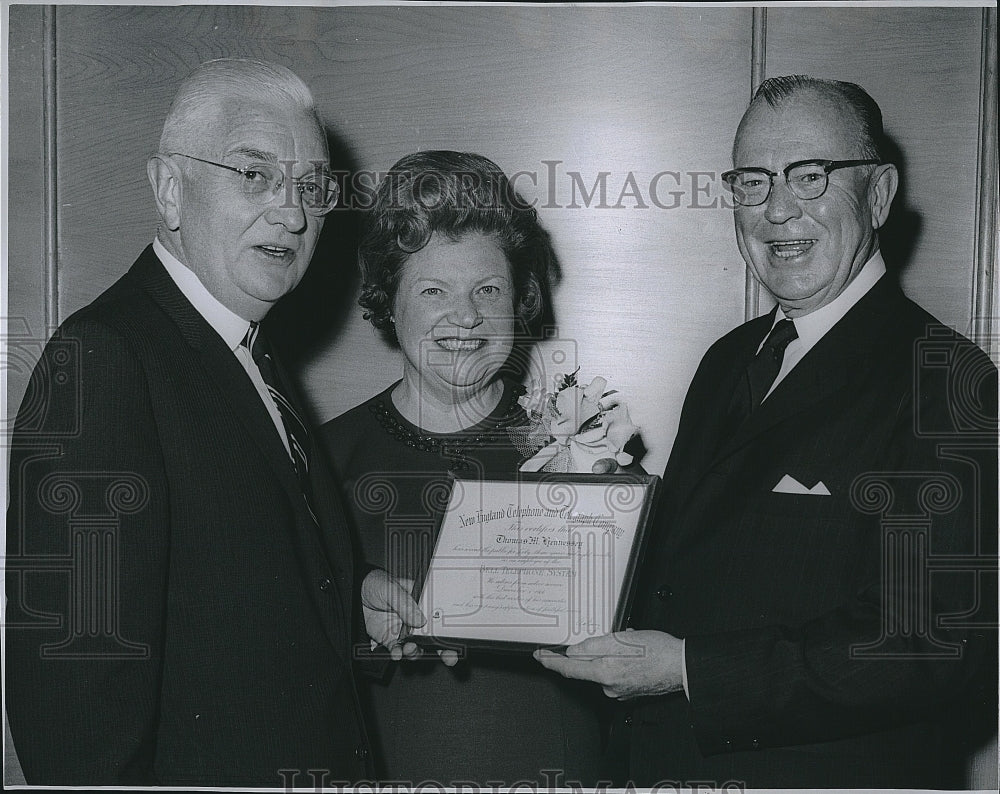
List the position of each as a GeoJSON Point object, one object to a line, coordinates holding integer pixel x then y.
{"type": "Point", "coordinates": [829, 635]}
{"type": "Point", "coordinates": [174, 614]}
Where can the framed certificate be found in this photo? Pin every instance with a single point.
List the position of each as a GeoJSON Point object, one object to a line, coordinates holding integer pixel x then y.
{"type": "Point", "coordinates": [535, 559]}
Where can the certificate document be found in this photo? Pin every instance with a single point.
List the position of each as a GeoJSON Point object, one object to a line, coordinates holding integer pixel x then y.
{"type": "Point", "coordinates": [536, 559]}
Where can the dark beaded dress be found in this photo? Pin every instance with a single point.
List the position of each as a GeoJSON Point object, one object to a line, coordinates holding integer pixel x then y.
{"type": "Point", "coordinates": [495, 717]}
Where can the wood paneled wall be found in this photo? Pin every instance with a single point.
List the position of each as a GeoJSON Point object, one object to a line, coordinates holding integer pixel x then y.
{"type": "Point", "coordinates": [568, 96]}
{"type": "Point", "coordinates": [925, 75]}
{"type": "Point", "coordinates": [560, 94]}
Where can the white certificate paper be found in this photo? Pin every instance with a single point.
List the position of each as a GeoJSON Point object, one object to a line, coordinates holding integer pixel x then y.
{"type": "Point", "coordinates": [536, 560]}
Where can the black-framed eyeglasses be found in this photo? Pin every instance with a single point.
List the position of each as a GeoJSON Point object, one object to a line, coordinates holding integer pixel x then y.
{"type": "Point", "coordinates": [261, 182]}
{"type": "Point", "coordinates": [807, 179]}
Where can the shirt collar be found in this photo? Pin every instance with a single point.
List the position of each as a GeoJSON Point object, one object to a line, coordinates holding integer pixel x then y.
{"type": "Point", "coordinates": [813, 326]}
{"type": "Point", "coordinates": [231, 327]}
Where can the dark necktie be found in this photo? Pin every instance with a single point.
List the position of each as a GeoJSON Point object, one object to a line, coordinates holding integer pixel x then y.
{"type": "Point", "coordinates": [765, 366]}
{"type": "Point", "coordinates": [295, 429]}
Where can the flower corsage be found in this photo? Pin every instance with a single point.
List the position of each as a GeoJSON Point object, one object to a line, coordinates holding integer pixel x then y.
{"type": "Point", "coordinates": [574, 427]}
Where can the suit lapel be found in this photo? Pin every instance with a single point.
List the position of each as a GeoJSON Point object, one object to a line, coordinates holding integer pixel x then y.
{"type": "Point", "coordinates": [230, 380]}
{"type": "Point", "coordinates": [224, 371]}
{"type": "Point", "coordinates": [830, 367]}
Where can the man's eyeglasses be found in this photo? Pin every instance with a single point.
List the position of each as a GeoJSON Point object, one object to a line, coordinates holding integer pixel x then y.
{"type": "Point", "coordinates": [261, 182]}
{"type": "Point", "coordinates": [807, 179]}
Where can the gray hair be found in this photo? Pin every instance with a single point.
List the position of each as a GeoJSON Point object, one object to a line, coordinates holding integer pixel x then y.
{"type": "Point", "coordinates": [852, 97]}
{"type": "Point", "coordinates": [203, 91]}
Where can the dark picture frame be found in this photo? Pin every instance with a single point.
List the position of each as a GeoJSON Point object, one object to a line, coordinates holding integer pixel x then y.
{"type": "Point", "coordinates": [535, 560]}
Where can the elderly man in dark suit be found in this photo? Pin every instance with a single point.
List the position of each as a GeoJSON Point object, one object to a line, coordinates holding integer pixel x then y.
{"type": "Point", "coordinates": [819, 594]}
{"type": "Point", "coordinates": [179, 574]}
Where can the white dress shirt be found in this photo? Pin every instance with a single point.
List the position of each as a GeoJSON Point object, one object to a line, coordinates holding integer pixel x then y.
{"type": "Point", "coordinates": [814, 326]}
{"type": "Point", "coordinates": [231, 327]}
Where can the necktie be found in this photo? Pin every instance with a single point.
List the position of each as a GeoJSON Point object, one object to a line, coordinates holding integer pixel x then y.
{"type": "Point", "coordinates": [765, 366]}
{"type": "Point", "coordinates": [295, 429]}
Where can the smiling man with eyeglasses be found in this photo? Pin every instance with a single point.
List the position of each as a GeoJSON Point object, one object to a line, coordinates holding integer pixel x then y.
{"type": "Point", "coordinates": [831, 456]}
{"type": "Point", "coordinates": [242, 189]}
{"type": "Point", "coordinates": [211, 622]}
{"type": "Point", "coordinates": [262, 182]}
{"type": "Point", "coordinates": [811, 191]}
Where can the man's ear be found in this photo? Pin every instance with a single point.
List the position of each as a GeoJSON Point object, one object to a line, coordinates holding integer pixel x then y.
{"type": "Point", "coordinates": [881, 190]}
{"type": "Point", "coordinates": [165, 178]}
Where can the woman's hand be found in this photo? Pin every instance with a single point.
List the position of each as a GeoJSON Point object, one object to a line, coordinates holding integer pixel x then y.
{"type": "Point", "coordinates": [390, 612]}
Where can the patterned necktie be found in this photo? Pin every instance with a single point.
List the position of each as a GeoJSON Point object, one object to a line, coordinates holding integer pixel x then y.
{"type": "Point", "coordinates": [295, 429]}
{"type": "Point", "coordinates": [765, 366]}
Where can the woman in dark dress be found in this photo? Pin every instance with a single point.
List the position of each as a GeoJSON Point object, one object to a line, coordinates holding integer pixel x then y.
{"type": "Point", "coordinates": [456, 268]}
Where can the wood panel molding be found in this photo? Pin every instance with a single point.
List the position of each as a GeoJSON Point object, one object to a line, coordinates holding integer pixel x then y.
{"type": "Point", "coordinates": [985, 282]}
{"type": "Point", "coordinates": [50, 170]}
{"type": "Point", "coordinates": [758, 72]}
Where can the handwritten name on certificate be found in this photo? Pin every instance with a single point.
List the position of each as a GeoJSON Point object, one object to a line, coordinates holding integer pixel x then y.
{"type": "Point", "coordinates": [537, 560]}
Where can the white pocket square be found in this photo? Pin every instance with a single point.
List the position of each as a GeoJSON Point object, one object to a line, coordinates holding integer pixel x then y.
{"type": "Point", "coordinates": [788, 484]}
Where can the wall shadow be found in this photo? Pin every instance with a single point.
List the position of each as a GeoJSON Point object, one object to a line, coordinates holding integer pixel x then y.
{"type": "Point", "coordinates": [899, 236]}
{"type": "Point", "coordinates": [309, 318]}
{"type": "Point", "coordinates": [544, 326]}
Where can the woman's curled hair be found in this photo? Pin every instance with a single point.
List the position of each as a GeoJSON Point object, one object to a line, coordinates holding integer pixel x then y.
{"type": "Point", "coordinates": [452, 194]}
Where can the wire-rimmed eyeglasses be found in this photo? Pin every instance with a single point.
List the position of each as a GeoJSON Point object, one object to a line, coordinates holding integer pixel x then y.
{"type": "Point", "coordinates": [261, 182]}
{"type": "Point", "coordinates": [807, 179]}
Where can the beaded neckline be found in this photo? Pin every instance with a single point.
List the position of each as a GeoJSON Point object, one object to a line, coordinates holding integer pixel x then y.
{"type": "Point", "coordinates": [455, 446]}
